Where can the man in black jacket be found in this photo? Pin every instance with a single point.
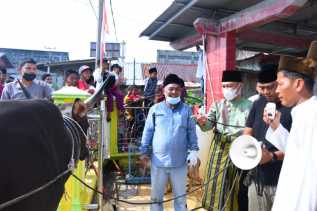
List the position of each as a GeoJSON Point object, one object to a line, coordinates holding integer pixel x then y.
{"type": "Point", "coordinates": [264, 177]}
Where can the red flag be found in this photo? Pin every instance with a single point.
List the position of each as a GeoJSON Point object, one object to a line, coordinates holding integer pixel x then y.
{"type": "Point", "coordinates": [105, 19]}
{"type": "Point", "coordinates": [104, 31]}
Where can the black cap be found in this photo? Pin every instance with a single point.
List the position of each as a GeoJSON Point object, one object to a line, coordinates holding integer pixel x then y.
{"type": "Point", "coordinates": [267, 73]}
{"type": "Point", "coordinates": [45, 75]}
{"type": "Point", "coordinates": [172, 79]}
{"type": "Point", "coordinates": [182, 82]}
{"type": "Point", "coordinates": [69, 72]}
{"type": "Point", "coordinates": [115, 66]}
{"type": "Point", "coordinates": [231, 76]}
{"type": "Point", "coordinates": [3, 70]}
{"type": "Point", "coordinates": [152, 70]}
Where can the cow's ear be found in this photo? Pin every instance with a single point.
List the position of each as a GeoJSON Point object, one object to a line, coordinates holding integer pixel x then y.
{"type": "Point", "coordinates": [79, 109]}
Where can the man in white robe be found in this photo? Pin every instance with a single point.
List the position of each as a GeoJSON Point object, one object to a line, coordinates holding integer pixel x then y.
{"type": "Point", "coordinates": [297, 185]}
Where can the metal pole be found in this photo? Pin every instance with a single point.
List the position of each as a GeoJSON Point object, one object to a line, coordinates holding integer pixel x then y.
{"type": "Point", "coordinates": [100, 152]}
{"type": "Point", "coordinates": [99, 34]}
{"type": "Point", "coordinates": [49, 57]}
{"type": "Point", "coordinates": [134, 72]}
{"type": "Point", "coordinates": [49, 62]}
{"type": "Point", "coordinates": [48, 68]}
{"type": "Point", "coordinates": [98, 64]}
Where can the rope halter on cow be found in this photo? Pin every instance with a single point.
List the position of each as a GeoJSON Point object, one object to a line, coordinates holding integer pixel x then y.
{"type": "Point", "coordinates": [74, 130]}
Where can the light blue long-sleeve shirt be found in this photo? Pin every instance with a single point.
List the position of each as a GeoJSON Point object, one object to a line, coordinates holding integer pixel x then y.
{"type": "Point", "coordinates": [173, 134]}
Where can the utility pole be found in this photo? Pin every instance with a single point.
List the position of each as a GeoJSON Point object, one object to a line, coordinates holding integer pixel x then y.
{"type": "Point", "coordinates": [102, 133]}
{"type": "Point", "coordinates": [99, 60]}
{"type": "Point", "coordinates": [122, 51]}
{"type": "Point", "coordinates": [134, 71]}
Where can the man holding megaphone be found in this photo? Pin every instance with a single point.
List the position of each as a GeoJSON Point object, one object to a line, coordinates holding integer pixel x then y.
{"type": "Point", "coordinates": [227, 118]}
{"type": "Point", "coordinates": [265, 176]}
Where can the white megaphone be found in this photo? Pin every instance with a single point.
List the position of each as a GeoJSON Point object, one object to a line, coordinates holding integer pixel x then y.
{"type": "Point", "coordinates": [245, 152]}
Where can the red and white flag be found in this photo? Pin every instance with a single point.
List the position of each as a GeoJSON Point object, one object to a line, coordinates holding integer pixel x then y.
{"type": "Point", "coordinates": [104, 31]}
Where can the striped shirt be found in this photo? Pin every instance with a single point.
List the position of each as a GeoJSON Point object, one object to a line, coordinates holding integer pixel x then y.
{"type": "Point", "coordinates": [149, 87]}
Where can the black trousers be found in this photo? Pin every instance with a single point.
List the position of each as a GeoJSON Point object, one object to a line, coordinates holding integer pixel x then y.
{"type": "Point", "coordinates": [243, 194]}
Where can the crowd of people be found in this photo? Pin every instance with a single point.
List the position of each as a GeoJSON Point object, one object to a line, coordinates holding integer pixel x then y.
{"type": "Point", "coordinates": [285, 177]}
{"type": "Point", "coordinates": [27, 86]}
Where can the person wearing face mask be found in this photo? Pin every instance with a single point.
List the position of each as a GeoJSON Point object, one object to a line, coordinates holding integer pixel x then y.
{"type": "Point", "coordinates": [170, 141]}
{"type": "Point", "coordinates": [231, 111]}
{"type": "Point", "coordinates": [48, 79]}
{"type": "Point", "coordinates": [27, 87]}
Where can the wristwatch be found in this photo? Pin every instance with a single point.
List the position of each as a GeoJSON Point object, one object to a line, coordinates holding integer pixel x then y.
{"type": "Point", "coordinates": [274, 158]}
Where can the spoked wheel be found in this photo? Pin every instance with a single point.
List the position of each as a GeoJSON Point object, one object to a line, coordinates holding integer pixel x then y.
{"type": "Point", "coordinates": [109, 177]}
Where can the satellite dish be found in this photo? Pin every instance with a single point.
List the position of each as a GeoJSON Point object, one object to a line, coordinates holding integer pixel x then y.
{"type": "Point", "coordinates": [245, 152]}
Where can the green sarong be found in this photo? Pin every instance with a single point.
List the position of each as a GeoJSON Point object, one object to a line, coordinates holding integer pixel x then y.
{"type": "Point", "coordinates": [222, 190]}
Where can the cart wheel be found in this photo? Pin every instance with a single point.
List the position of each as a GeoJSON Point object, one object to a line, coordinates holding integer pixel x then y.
{"type": "Point", "coordinates": [109, 207]}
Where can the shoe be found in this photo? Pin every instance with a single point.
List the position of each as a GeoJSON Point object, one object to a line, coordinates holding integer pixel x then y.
{"type": "Point", "coordinates": [108, 117]}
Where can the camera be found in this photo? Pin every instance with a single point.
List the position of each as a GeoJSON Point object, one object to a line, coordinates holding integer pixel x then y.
{"type": "Point", "coordinates": [270, 109]}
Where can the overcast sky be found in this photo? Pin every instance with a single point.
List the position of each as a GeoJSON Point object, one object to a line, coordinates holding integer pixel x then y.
{"type": "Point", "coordinates": [70, 25]}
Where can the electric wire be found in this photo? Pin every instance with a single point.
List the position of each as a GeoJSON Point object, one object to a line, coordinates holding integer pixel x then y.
{"type": "Point", "coordinates": [93, 9]}
{"type": "Point", "coordinates": [204, 36]}
{"type": "Point", "coordinates": [113, 20]}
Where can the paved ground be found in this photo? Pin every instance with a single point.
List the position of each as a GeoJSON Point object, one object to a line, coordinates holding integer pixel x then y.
{"type": "Point", "coordinates": [142, 194]}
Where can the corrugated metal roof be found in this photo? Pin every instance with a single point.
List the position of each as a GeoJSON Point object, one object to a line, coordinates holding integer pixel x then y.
{"type": "Point", "coordinates": [4, 61]}
{"type": "Point", "coordinates": [168, 28]}
{"type": "Point", "coordinates": [186, 72]}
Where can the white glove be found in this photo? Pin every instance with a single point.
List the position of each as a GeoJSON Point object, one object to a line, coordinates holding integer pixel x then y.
{"type": "Point", "coordinates": [97, 75]}
{"type": "Point", "coordinates": [192, 158]}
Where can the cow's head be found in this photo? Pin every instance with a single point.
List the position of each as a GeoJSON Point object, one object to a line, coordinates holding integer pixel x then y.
{"type": "Point", "coordinates": [79, 114]}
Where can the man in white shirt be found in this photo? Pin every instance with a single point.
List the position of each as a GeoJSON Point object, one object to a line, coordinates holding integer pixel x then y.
{"type": "Point", "coordinates": [297, 185]}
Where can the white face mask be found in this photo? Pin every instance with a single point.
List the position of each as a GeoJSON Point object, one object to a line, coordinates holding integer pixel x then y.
{"type": "Point", "coordinates": [229, 93]}
{"type": "Point", "coordinates": [173, 100]}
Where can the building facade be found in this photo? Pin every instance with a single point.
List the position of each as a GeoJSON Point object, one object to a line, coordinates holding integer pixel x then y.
{"type": "Point", "coordinates": [176, 57]}
{"type": "Point", "coordinates": [16, 56]}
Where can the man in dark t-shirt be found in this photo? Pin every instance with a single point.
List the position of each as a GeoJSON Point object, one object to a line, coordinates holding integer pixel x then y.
{"type": "Point", "coordinates": [265, 176]}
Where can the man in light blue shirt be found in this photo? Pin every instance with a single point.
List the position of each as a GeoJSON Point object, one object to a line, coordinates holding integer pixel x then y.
{"type": "Point", "coordinates": [170, 139]}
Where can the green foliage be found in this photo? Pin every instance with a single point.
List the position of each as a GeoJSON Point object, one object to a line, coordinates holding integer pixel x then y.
{"type": "Point", "coordinates": [193, 98]}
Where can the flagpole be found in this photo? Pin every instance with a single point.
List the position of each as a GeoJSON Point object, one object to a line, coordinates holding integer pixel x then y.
{"type": "Point", "coordinates": [98, 64]}
{"type": "Point", "coordinates": [98, 61]}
